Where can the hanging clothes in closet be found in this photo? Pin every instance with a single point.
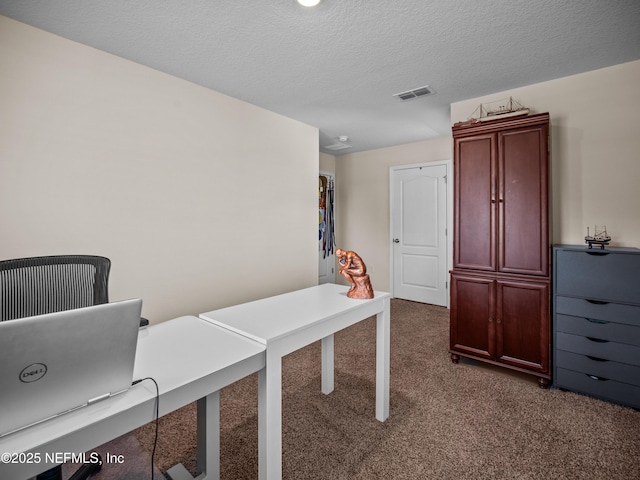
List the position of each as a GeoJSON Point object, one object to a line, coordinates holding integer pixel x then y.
{"type": "Point", "coordinates": [326, 221]}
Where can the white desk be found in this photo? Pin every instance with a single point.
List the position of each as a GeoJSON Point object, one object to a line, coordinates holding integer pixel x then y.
{"type": "Point", "coordinates": [189, 358]}
{"type": "Point", "coordinates": [287, 322]}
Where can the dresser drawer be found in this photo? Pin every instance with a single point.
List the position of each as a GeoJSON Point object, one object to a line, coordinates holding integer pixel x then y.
{"type": "Point", "coordinates": [598, 275]}
{"type": "Point", "coordinates": [620, 372]}
{"type": "Point", "coordinates": [598, 348]}
{"type": "Point", "coordinates": [612, 312]}
{"type": "Point", "coordinates": [600, 329]}
{"type": "Point", "coordinates": [608, 389]}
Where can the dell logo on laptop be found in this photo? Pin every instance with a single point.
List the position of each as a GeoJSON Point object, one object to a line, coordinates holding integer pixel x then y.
{"type": "Point", "coordinates": [33, 372]}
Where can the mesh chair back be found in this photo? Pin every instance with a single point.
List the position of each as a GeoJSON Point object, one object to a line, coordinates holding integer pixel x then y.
{"type": "Point", "coordinates": [39, 285]}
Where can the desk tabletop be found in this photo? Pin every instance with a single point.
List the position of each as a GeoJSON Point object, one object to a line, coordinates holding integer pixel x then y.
{"type": "Point", "coordinates": [188, 357]}
{"type": "Point", "coordinates": [186, 349]}
{"type": "Point", "coordinates": [269, 319]}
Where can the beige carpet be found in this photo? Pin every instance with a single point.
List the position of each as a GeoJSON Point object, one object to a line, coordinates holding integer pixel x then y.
{"type": "Point", "coordinates": [447, 421]}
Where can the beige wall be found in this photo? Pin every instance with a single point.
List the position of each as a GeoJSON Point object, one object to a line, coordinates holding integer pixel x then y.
{"type": "Point", "coordinates": [362, 200]}
{"type": "Point", "coordinates": [185, 189]}
{"type": "Point", "coordinates": [595, 149]}
{"type": "Point", "coordinates": [327, 163]}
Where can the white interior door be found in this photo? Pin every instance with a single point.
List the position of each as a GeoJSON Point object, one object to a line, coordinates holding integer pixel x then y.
{"type": "Point", "coordinates": [419, 233]}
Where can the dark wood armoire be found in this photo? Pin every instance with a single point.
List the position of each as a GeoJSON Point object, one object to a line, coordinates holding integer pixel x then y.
{"type": "Point", "coordinates": [500, 282]}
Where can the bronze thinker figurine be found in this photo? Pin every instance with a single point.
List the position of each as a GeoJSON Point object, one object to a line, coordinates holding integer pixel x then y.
{"type": "Point", "coordinates": [353, 269]}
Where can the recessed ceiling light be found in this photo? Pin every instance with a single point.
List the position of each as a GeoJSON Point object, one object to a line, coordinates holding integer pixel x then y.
{"type": "Point", "coordinates": [308, 3]}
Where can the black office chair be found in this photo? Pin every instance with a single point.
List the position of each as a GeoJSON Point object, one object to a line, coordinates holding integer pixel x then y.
{"type": "Point", "coordinates": [39, 285]}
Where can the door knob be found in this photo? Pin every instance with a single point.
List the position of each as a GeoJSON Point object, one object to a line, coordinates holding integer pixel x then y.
{"type": "Point", "coordinates": [396, 240]}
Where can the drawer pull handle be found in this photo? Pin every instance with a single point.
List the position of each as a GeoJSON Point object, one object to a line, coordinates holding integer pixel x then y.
{"type": "Point", "coordinates": [596, 302]}
{"type": "Point", "coordinates": [596, 359]}
{"type": "Point", "coordinates": [597, 340]}
{"type": "Point", "coordinates": [595, 320]}
{"type": "Point", "coordinates": [594, 377]}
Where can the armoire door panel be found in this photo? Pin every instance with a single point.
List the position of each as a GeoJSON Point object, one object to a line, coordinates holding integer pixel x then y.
{"type": "Point", "coordinates": [523, 243]}
{"type": "Point", "coordinates": [475, 203]}
{"type": "Point", "coordinates": [472, 307]}
{"type": "Point", "coordinates": [522, 324]}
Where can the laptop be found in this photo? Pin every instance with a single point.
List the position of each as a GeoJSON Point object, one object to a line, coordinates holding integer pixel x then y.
{"type": "Point", "coordinates": [55, 363]}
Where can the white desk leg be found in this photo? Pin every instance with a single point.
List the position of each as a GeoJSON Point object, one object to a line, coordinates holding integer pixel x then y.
{"type": "Point", "coordinates": [208, 455]}
{"type": "Point", "coordinates": [383, 327]}
{"type": "Point", "coordinates": [270, 418]}
{"type": "Point", "coordinates": [208, 438]}
{"type": "Point", "coordinates": [327, 364]}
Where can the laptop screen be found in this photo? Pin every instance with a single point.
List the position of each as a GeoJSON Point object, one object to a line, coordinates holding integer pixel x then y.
{"type": "Point", "coordinates": [54, 363]}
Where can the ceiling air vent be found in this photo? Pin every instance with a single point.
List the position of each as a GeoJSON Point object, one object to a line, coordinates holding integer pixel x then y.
{"type": "Point", "coordinates": [337, 146]}
{"type": "Point", "coordinates": [415, 93]}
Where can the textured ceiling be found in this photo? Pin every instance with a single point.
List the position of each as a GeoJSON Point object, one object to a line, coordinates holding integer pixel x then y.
{"type": "Point", "coordinates": [337, 65]}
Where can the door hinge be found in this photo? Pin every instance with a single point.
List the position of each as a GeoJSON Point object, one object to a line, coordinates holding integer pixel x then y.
{"type": "Point", "coordinates": [445, 179]}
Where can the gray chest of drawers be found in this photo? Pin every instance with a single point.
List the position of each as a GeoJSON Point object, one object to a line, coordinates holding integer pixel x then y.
{"type": "Point", "coordinates": [596, 322]}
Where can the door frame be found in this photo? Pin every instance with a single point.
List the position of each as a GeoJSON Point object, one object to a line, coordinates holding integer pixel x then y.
{"type": "Point", "coordinates": [449, 233]}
